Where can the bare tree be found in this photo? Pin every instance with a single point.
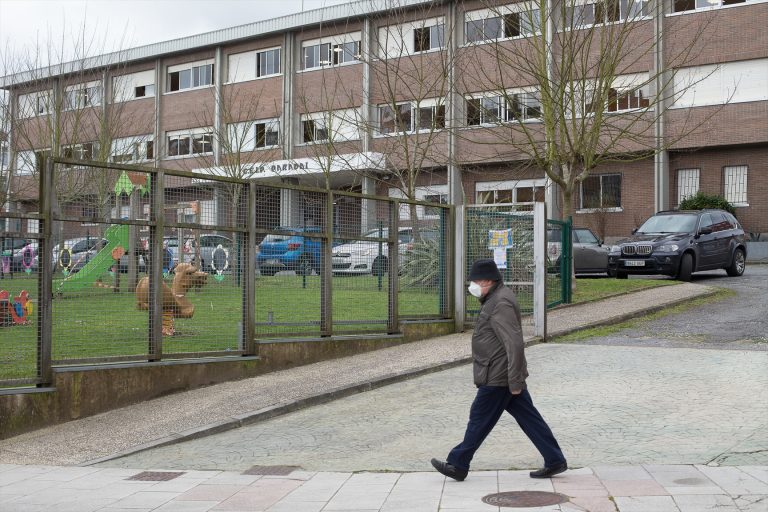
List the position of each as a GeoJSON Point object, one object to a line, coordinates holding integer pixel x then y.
{"type": "Point", "coordinates": [568, 86]}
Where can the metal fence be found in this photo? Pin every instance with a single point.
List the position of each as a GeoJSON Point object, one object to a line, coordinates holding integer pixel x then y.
{"type": "Point", "coordinates": [505, 233]}
{"type": "Point", "coordinates": [143, 264]}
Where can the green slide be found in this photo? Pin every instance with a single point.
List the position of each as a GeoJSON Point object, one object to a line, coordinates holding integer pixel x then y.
{"type": "Point", "coordinates": [116, 235]}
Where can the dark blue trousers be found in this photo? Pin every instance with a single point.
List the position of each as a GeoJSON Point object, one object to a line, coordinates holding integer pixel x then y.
{"type": "Point", "coordinates": [485, 412]}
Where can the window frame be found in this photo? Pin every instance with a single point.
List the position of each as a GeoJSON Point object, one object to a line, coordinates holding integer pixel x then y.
{"type": "Point", "coordinates": [708, 7]}
{"type": "Point", "coordinates": [601, 207]}
{"type": "Point", "coordinates": [528, 99]}
{"type": "Point", "coordinates": [680, 173]}
{"type": "Point", "coordinates": [435, 105]}
{"type": "Point", "coordinates": [189, 75]}
{"type": "Point", "coordinates": [331, 51]}
{"type": "Point", "coordinates": [527, 16]}
{"type": "Point", "coordinates": [189, 139]}
{"type": "Point", "coordinates": [743, 182]}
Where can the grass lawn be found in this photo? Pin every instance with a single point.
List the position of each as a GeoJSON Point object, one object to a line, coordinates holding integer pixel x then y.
{"type": "Point", "coordinates": [101, 323]}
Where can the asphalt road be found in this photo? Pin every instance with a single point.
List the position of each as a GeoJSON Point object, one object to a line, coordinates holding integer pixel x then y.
{"type": "Point", "coordinates": [739, 322]}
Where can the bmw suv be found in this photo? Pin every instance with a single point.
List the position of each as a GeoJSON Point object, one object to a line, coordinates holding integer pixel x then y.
{"type": "Point", "coordinates": [678, 243]}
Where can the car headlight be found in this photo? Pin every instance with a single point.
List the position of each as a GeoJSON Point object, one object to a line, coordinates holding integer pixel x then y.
{"type": "Point", "coordinates": [667, 248]}
{"type": "Point", "coordinates": [615, 249]}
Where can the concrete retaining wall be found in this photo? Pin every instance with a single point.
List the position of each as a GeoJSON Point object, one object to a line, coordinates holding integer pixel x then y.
{"type": "Point", "coordinates": [757, 252]}
{"type": "Point", "coordinates": [78, 392]}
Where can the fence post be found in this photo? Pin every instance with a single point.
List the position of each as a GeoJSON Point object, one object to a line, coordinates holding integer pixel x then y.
{"type": "Point", "coordinates": [459, 247]}
{"type": "Point", "coordinates": [326, 277]}
{"type": "Point", "coordinates": [540, 270]}
{"type": "Point", "coordinates": [156, 230]}
{"type": "Point", "coordinates": [569, 289]}
{"type": "Point", "coordinates": [393, 244]}
{"type": "Point", "coordinates": [249, 288]}
{"type": "Point", "coordinates": [45, 278]}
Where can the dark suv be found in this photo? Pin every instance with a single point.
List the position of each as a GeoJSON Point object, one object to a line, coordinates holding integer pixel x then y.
{"type": "Point", "coordinates": [677, 243]}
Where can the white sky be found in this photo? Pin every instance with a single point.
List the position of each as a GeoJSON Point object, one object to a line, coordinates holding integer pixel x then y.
{"type": "Point", "coordinates": [121, 24]}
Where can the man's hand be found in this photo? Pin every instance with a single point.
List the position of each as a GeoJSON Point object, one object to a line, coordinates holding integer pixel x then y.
{"type": "Point", "coordinates": [516, 392]}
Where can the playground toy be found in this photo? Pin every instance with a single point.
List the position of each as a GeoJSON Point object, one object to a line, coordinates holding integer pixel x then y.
{"type": "Point", "coordinates": [219, 261]}
{"type": "Point", "coordinates": [116, 236]}
{"type": "Point", "coordinates": [16, 312]}
{"type": "Point", "coordinates": [175, 302]}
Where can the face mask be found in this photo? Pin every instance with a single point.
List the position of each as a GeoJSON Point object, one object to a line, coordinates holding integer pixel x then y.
{"type": "Point", "coordinates": [475, 289]}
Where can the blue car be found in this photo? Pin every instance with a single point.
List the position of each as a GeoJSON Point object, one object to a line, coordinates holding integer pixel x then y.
{"type": "Point", "coordinates": [290, 252]}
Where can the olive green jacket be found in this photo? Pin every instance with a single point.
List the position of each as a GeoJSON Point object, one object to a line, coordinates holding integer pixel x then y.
{"type": "Point", "coordinates": [497, 343]}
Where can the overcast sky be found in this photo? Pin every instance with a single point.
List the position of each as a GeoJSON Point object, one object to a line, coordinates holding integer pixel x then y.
{"type": "Point", "coordinates": [122, 24]}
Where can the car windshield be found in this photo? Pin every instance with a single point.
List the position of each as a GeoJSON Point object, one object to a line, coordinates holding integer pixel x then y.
{"type": "Point", "coordinates": [669, 224]}
{"type": "Point", "coordinates": [585, 236]}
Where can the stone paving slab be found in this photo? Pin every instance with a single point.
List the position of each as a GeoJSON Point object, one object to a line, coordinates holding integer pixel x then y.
{"type": "Point", "coordinates": [47, 488]}
{"type": "Point", "coordinates": [192, 413]}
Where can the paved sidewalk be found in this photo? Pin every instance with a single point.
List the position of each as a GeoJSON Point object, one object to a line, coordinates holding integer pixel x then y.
{"type": "Point", "coordinates": [642, 488]}
{"type": "Point", "coordinates": [215, 408]}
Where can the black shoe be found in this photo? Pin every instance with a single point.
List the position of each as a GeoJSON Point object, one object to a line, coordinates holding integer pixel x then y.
{"type": "Point", "coordinates": [450, 470]}
{"type": "Point", "coordinates": [551, 471]}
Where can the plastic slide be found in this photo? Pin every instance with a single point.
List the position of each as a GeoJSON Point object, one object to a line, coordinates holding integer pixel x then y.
{"type": "Point", "coordinates": [101, 262]}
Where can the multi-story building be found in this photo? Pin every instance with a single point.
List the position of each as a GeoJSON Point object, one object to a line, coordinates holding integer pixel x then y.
{"type": "Point", "coordinates": [406, 101]}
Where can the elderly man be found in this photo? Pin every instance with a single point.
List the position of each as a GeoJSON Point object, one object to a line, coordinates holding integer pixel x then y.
{"type": "Point", "coordinates": [500, 370]}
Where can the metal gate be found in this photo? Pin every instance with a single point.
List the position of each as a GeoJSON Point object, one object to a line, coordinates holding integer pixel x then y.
{"type": "Point", "coordinates": [505, 233]}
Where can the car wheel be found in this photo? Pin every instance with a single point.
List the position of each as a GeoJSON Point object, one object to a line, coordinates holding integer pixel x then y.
{"type": "Point", "coordinates": [686, 267]}
{"type": "Point", "coordinates": [738, 264]}
{"type": "Point", "coordinates": [621, 275]}
{"type": "Point", "coordinates": [380, 266]}
{"type": "Point", "coordinates": [304, 267]}
{"type": "Point", "coordinates": [611, 273]}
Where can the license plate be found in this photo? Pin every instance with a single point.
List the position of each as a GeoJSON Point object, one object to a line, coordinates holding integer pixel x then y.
{"type": "Point", "coordinates": [273, 262]}
{"type": "Point", "coordinates": [634, 263]}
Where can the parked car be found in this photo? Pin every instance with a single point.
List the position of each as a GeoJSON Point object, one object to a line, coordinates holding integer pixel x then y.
{"type": "Point", "coordinates": [290, 252]}
{"type": "Point", "coordinates": [589, 254]}
{"type": "Point", "coordinates": [208, 245]}
{"type": "Point", "coordinates": [678, 243]}
{"type": "Point", "coordinates": [364, 257]}
{"type": "Point", "coordinates": [81, 251]}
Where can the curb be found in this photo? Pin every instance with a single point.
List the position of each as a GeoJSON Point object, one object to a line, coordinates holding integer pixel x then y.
{"type": "Point", "coordinates": [276, 410]}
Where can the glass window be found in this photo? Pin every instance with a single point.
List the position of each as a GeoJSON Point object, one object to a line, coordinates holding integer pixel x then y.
{"type": "Point", "coordinates": [483, 30]}
{"type": "Point", "coordinates": [267, 134]}
{"type": "Point", "coordinates": [202, 143]}
{"type": "Point", "coordinates": [421, 39]}
{"type": "Point", "coordinates": [395, 120]}
{"type": "Point", "coordinates": [474, 31]}
{"type": "Point", "coordinates": [196, 76]}
{"type": "Point", "coordinates": [315, 130]}
{"type": "Point", "coordinates": [687, 183]}
{"type": "Point", "coordinates": [473, 112]}
{"type": "Point", "coordinates": [490, 109]}
{"type": "Point", "coordinates": [432, 118]}
{"type": "Point", "coordinates": [601, 191]}
{"type": "Point", "coordinates": [736, 184]}
{"type": "Point", "coordinates": [585, 236]}
{"type": "Point", "coordinates": [437, 36]}
{"type": "Point", "coordinates": [268, 62]}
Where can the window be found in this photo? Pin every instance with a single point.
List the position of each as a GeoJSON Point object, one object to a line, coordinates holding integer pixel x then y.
{"type": "Point", "coordinates": [431, 193]}
{"type": "Point", "coordinates": [729, 82]}
{"type": "Point", "coordinates": [4, 156]}
{"type": "Point", "coordinates": [315, 130]}
{"type": "Point", "coordinates": [514, 106]}
{"type": "Point", "coordinates": [601, 191]}
{"type": "Point", "coordinates": [336, 125]}
{"type": "Point", "coordinates": [687, 183]}
{"type": "Point", "coordinates": [428, 38]}
{"type": "Point", "coordinates": [619, 100]}
{"type": "Point", "coordinates": [690, 5]}
{"type": "Point", "coordinates": [516, 20]}
{"type": "Point", "coordinates": [134, 85]}
{"type": "Point", "coordinates": [736, 184]}
{"type": "Point", "coordinates": [605, 11]}
{"type": "Point", "coordinates": [26, 161]}
{"type": "Point", "coordinates": [82, 96]}
{"type": "Point", "coordinates": [133, 149]}
{"type": "Point", "coordinates": [251, 135]}
{"type": "Point", "coordinates": [80, 151]}
{"type": "Point", "coordinates": [504, 192]}
{"type": "Point", "coordinates": [332, 51]}
{"type": "Point", "coordinates": [190, 143]}
{"type": "Point", "coordinates": [434, 211]}
{"type": "Point", "coordinates": [268, 62]}
{"type": "Point", "coordinates": [189, 77]}
{"type": "Point", "coordinates": [407, 117]}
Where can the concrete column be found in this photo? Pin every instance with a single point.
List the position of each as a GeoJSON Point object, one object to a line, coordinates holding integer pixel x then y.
{"type": "Point", "coordinates": [454, 106]}
{"type": "Point", "coordinates": [365, 109]}
{"type": "Point", "coordinates": [218, 68]}
{"type": "Point", "coordinates": [291, 208]}
{"type": "Point", "coordinates": [159, 142]}
{"type": "Point", "coordinates": [661, 157]}
{"type": "Point", "coordinates": [289, 60]}
{"type": "Point", "coordinates": [368, 213]}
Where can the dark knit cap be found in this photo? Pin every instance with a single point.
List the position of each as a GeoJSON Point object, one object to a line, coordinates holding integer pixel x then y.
{"type": "Point", "coordinates": [484, 269]}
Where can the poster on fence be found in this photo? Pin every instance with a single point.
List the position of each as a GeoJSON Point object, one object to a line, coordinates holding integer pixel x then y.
{"type": "Point", "coordinates": [499, 241]}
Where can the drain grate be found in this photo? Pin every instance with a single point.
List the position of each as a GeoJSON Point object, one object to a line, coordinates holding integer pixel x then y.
{"type": "Point", "coordinates": [523, 499]}
{"type": "Point", "coordinates": [156, 476]}
{"type": "Point", "coordinates": [271, 470]}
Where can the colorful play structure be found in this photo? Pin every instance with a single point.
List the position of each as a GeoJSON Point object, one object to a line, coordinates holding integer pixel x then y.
{"type": "Point", "coordinates": [102, 261]}
{"type": "Point", "coordinates": [175, 302]}
{"type": "Point", "coordinates": [16, 311]}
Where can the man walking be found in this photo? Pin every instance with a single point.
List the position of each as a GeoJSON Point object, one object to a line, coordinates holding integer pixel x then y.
{"type": "Point", "coordinates": [499, 370]}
